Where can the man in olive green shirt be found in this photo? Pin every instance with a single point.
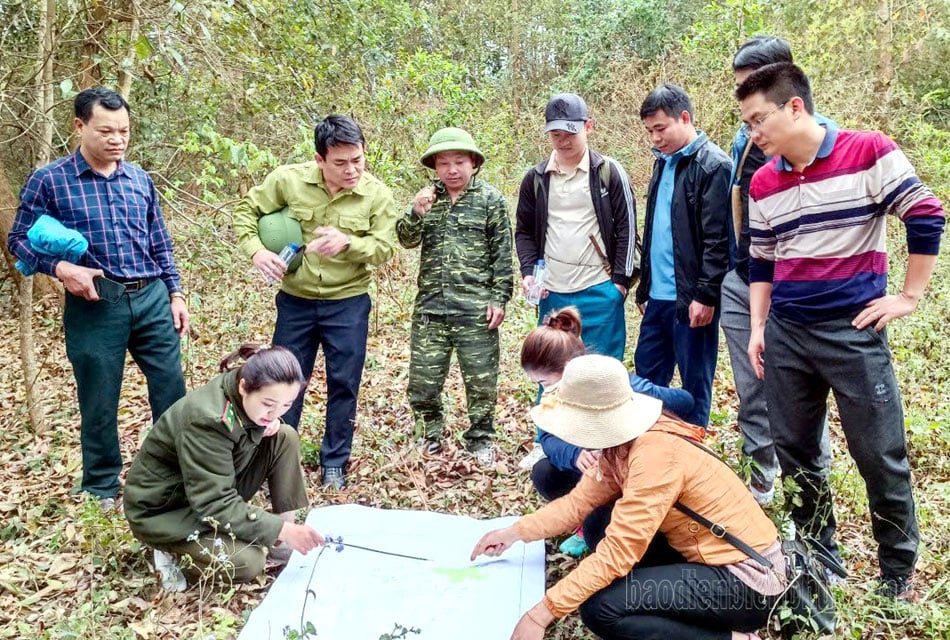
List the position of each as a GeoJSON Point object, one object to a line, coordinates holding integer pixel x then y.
{"type": "Point", "coordinates": [348, 219]}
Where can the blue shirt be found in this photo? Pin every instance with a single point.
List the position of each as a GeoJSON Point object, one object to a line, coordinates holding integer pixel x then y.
{"type": "Point", "coordinates": [119, 215]}
{"type": "Point", "coordinates": [662, 271]}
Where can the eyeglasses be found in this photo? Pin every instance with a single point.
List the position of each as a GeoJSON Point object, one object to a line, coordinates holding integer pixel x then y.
{"type": "Point", "coordinates": [757, 122]}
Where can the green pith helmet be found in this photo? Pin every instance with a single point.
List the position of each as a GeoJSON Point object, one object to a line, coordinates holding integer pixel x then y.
{"type": "Point", "coordinates": [450, 139]}
{"type": "Point", "coordinates": [276, 230]}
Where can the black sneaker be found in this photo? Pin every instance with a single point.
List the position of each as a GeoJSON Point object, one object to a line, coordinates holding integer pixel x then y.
{"type": "Point", "coordinates": [431, 446]}
{"type": "Point", "coordinates": [334, 478]}
{"type": "Point", "coordinates": [897, 588]}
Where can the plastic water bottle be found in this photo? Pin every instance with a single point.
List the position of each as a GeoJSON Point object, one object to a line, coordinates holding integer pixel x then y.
{"type": "Point", "coordinates": [534, 293]}
{"type": "Point", "coordinates": [286, 255]}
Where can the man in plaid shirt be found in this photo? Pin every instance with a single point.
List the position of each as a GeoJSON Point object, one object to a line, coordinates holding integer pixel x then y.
{"type": "Point", "coordinates": [113, 204]}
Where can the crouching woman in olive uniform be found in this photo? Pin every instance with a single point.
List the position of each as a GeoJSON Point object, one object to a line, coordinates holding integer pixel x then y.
{"type": "Point", "coordinates": [188, 487]}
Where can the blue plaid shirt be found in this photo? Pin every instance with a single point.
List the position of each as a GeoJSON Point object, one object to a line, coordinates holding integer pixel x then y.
{"type": "Point", "coordinates": [119, 216]}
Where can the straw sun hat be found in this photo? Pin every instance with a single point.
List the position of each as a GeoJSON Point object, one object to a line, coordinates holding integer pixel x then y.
{"type": "Point", "coordinates": [593, 406]}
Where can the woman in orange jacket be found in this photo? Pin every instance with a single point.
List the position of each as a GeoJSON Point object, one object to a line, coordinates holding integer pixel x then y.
{"type": "Point", "coordinates": [649, 463]}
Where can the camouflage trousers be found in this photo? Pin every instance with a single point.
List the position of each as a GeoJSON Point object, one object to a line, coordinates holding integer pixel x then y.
{"type": "Point", "coordinates": [433, 340]}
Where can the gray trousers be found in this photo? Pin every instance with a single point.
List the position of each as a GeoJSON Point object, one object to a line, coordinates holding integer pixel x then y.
{"type": "Point", "coordinates": [804, 362]}
{"type": "Point", "coordinates": [753, 416]}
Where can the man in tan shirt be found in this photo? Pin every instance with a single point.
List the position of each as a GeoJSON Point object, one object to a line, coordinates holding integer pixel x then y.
{"type": "Point", "coordinates": [576, 211]}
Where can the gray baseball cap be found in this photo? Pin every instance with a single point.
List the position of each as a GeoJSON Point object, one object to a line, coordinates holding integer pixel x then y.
{"type": "Point", "coordinates": [565, 112]}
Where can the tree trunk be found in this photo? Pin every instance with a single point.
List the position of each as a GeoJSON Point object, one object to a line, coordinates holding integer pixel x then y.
{"type": "Point", "coordinates": [884, 76]}
{"type": "Point", "coordinates": [44, 137]}
{"type": "Point", "coordinates": [91, 69]}
{"type": "Point", "coordinates": [125, 70]}
{"type": "Point", "coordinates": [34, 403]}
{"type": "Point", "coordinates": [44, 89]}
{"type": "Point", "coordinates": [514, 57]}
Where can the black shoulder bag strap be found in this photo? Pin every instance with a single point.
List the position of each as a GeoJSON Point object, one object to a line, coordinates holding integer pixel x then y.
{"type": "Point", "coordinates": [717, 529]}
{"type": "Point", "coordinates": [720, 532]}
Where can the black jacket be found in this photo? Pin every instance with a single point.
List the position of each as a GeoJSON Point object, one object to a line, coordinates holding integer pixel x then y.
{"type": "Point", "coordinates": [616, 217]}
{"type": "Point", "coordinates": [700, 217]}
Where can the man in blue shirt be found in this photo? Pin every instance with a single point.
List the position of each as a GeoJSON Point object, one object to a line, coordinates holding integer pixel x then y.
{"type": "Point", "coordinates": [113, 204]}
{"type": "Point", "coordinates": [685, 250]}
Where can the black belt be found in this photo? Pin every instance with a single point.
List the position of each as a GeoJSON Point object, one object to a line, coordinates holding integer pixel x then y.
{"type": "Point", "coordinates": [135, 285]}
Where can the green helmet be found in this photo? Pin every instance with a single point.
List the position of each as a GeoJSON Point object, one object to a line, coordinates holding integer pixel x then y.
{"type": "Point", "coordinates": [450, 139]}
{"type": "Point", "coordinates": [278, 229]}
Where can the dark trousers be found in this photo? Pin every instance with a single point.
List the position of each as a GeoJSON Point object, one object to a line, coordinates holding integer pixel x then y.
{"type": "Point", "coordinates": [804, 362]}
{"type": "Point", "coordinates": [340, 327]}
{"type": "Point", "coordinates": [683, 600]}
{"type": "Point", "coordinates": [98, 334]}
{"type": "Point", "coordinates": [551, 482]}
{"type": "Point", "coordinates": [666, 343]}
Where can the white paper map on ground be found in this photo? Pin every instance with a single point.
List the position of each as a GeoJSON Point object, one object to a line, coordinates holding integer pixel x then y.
{"type": "Point", "coordinates": [355, 594]}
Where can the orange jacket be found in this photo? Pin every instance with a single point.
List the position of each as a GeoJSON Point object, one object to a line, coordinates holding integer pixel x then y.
{"type": "Point", "coordinates": [663, 469]}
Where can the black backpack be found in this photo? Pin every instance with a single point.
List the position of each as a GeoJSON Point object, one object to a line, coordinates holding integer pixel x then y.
{"type": "Point", "coordinates": [604, 177]}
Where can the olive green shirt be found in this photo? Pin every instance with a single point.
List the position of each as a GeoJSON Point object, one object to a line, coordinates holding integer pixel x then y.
{"type": "Point", "coordinates": [465, 264]}
{"type": "Point", "coordinates": [187, 467]}
{"type": "Point", "coordinates": [366, 214]}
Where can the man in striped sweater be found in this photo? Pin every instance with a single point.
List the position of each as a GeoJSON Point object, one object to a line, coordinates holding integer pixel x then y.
{"type": "Point", "coordinates": [818, 273]}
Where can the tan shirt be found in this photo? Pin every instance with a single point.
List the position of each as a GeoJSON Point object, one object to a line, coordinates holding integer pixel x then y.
{"type": "Point", "coordinates": [572, 261]}
{"type": "Point", "coordinates": [663, 469]}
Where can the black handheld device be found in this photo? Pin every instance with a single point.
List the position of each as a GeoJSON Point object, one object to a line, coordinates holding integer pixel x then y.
{"type": "Point", "coordinates": [108, 289]}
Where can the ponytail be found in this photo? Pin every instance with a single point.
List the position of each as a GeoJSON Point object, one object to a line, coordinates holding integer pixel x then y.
{"type": "Point", "coordinates": [554, 343]}
{"type": "Point", "coordinates": [263, 366]}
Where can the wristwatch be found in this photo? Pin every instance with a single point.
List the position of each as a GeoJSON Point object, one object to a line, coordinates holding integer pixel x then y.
{"type": "Point", "coordinates": [176, 294]}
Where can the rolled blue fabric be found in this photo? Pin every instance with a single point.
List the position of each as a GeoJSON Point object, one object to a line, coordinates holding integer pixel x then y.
{"type": "Point", "coordinates": [50, 237]}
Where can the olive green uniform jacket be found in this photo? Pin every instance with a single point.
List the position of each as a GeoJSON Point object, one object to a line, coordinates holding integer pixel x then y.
{"type": "Point", "coordinates": [190, 467]}
{"type": "Point", "coordinates": [366, 214]}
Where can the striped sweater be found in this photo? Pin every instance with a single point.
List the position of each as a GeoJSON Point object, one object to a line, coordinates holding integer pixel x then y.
{"type": "Point", "coordinates": [819, 236]}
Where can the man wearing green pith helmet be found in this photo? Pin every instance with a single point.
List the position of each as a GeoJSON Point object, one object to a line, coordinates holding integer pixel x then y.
{"type": "Point", "coordinates": [465, 281]}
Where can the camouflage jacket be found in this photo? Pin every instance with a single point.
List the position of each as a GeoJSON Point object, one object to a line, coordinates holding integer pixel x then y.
{"type": "Point", "coordinates": [465, 264]}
